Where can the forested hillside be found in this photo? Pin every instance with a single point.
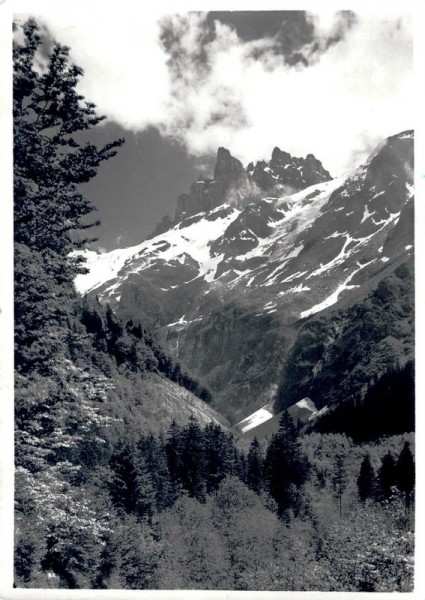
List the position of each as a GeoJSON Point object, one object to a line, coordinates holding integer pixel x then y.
{"type": "Point", "coordinates": [341, 355]}
{"type": "Point", "coordinates": [125, 477]}
{"type": "Point", "coordinates": [83, 379]}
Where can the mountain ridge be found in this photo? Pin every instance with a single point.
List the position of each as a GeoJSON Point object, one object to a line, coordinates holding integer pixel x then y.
{"type": "Point", "coordinates": [231, 182]}
{"type": "Point", "coordinates": [226, 289]}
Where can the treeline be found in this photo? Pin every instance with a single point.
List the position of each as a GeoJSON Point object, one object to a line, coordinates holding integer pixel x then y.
{"type": "Point", "coordinates": [149, 474]}
{"type": "Point", "coordinates": [391, 474]}
{"type": "Point", "coordinates": [190, 510]}
{"type": "Point", "coordinates": [386, 408]}
{"type": "Point", "coordinates": [193, 461]}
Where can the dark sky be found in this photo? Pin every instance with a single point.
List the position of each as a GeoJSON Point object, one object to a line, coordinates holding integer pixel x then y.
{"type": "Point", "coordinates": [290, 29]}
{"type": "Point", "coordinates": [136, 188]}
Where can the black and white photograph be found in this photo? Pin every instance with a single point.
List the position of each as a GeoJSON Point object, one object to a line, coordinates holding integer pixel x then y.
{"type": "Point", "coordinates": [213, 303]}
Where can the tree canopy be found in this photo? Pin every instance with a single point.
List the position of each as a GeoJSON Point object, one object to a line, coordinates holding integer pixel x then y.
{"type": "Point", "coordinates": [51, 160]}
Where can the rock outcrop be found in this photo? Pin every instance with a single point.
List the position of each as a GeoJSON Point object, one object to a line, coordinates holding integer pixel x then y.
{"type": "Point", "coordinates": [285, 172]}
{"type": "Point", "coordinates": [232, 182]}
{"type": "Point", "coordinates": [206, 194]}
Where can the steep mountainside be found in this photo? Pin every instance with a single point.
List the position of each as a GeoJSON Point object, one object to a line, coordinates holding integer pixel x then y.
{"type": "Point", "coordinates": [227, 288]}
{"type": "Point", "coordinates": [340, 355]}
{"type": "Point", "coordinates": [151, 388]}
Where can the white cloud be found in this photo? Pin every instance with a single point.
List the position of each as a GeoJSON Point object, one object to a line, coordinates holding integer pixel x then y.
{"type": "Point", "coordinates": [358, 91]}
{"type": "Point", "coordinates": [354, 93]}
{"type": "Point", "coordinates": [125, 67]}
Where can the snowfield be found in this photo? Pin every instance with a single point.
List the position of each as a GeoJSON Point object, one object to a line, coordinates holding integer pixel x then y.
{"type": "Point", "coordinates": [193, 240]}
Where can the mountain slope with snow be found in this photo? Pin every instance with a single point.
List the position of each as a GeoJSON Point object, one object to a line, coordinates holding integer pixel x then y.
{"type": "Point", "coordinates": [226, 289]}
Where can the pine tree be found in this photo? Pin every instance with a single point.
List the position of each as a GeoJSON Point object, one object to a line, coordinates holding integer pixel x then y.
{"type": "Point", "coordinates": [216, 456]}
{"type": "Point", "coordinates": [405, 473]}
{"type": "Point", "coordinates": [387, 476]}
{"type": "Point", "coordinates": [339, 479]}
{"type": "Point", "coordinates": [145, 496]}
{"type": "Point", "coordinates": [153, 451]}
{"type": "Point", "coordinates": [123, 482]}
{"type": "Point", "coordinates": [173, 454]}
{"type": "Point", "coordinates": [193, 466]}
{"type": "Point", "coordinates": [254, 467]}
{"type": "Point", "coordinates": [366, 479]}
{"type": "Point", "coordinates": [50, 162]}
{"type": "Point", "coordinates": [285, 467]}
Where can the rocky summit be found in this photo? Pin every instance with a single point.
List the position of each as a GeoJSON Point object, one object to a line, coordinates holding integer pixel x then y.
{"type": "Point", "coordinates": [231, 182]}
{"type": "Point", "coordinates": [206, 194]}
{"type": "Point", "coordinates": [285, 171]}
{"type": "Point", "coordinates": [239, 286]}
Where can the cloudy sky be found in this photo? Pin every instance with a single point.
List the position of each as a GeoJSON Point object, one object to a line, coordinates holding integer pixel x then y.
{"type": "Point", "coordinates": [177, 86]}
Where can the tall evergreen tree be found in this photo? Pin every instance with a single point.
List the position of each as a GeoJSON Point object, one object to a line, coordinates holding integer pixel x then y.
{"type": "Point", "coordinates": [123, 484]}
{"type": "Point", "coordinates": [339, 479]}
{"type": "Point", "coordinates": [218, 456]}
{"type": "Point", "coordinates": [366, 479]}
{"type": "Point", "coordinates": [285, 467]}
{"type": "Point", "coordinates": [405, 473]}
{"type": "Point", "coordinates": [173, 454]}
{"type": "Point", "coordinates": [192, 466]}
{"type": "Point", "coordinates": [254, 467]}
{"type": "Point", "coordinates": [153, 452]}
{"type": "Point", "coordinates": [386, 476]}
{"type": "Point", "coordinates": [50, 162]}
{"type": "Point", "coordinates": [145, 501]}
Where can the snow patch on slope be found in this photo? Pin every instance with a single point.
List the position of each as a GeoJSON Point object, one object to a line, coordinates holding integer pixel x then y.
{"type": "Point", "coordinates": [366, 214]}
{"type": "Point", "coordinates": [307, 403]}
{"type": "Point", "coordinates": [102, 267]}
{"type": "Point", "coordinates": [294, 290]}
{"type": "Point", "coordinates": [255, 419]}
{"type": "Point", "coordinates": [333, 298]}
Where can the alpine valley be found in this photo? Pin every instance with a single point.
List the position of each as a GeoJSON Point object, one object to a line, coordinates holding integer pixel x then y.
{"type": "Point", "coordinates": [228, 405]}
{"type": "Point", "coordinates": [280, 287]}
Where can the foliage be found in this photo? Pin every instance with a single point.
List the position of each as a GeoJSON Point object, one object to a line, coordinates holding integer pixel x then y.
{"type": "Point", "coordinates": [387, 408]}
{"type": "Point", "coordinates": [49, 164]}
{"type": "Point", "coordinates": [284, 466]}
{"type": "Point", "coordinates": [368, 552]}
{"type": "Point", "coordinates": [337, 359]}
{"type": "Point", "coordinates": [102, 503]}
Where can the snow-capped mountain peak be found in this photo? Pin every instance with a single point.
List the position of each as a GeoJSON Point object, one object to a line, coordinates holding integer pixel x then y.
{"type": "Point", "coordinates": [276, 258]}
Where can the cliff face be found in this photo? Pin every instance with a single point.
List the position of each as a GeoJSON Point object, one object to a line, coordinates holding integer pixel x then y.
{"type": "Point", "coordinates": [232, 182]}
{"type": "Point", "coordinates": [287, 171]}
{"type": "Point", "coordinates": [206, 194]}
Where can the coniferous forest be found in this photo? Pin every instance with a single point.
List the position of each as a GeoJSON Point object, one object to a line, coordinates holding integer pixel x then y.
{"type": "Point", "coordinates": [104, 501]}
